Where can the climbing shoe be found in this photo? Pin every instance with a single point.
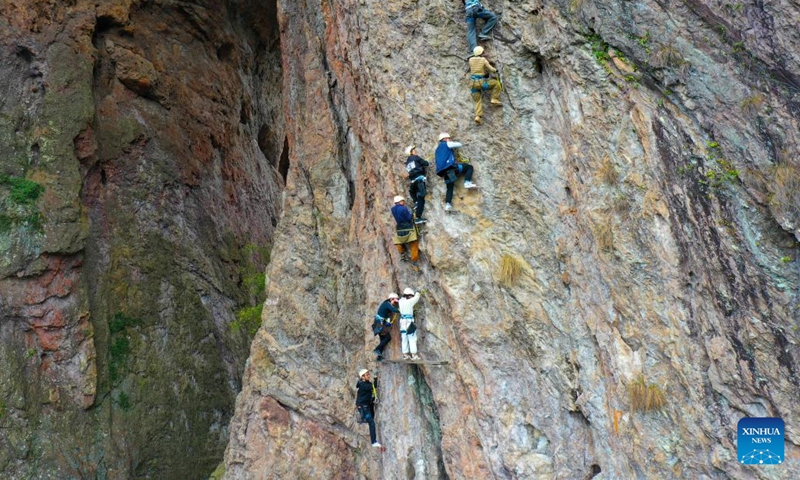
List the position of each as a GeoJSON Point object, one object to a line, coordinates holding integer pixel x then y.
{"type": "Point", "coordinates": [379, 358]}
{"type": "Point", "coordinates": [496, 103]}
{"type": "Point", "coordinates": [377, 445]}
{"type": "Point", "coordinates": [420, 220]}
{"type": "Point", "coordinates": [448, 207]}
{"type": "Point", "coordinates": [415, 357]}
{"type": "Point", "coordinates": [406, 357]}
{"type": "Point", "coordinates": [485, 38]}
{"type": "Point", "coordinates": [478, 120]}
{"type": "Point", "coordinates": [469, 185]}
{"type": "Point", "coordinates": [415, 267]}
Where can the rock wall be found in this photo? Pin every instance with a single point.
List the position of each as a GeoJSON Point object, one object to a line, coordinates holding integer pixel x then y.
{"type": "Point", "coordinates": [141, 179]}
{"type": "Point", "coordinates": [641, 180]}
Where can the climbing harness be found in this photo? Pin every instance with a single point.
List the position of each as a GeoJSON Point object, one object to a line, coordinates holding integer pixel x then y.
{"type": "Point", "coordinates": [477, 87]}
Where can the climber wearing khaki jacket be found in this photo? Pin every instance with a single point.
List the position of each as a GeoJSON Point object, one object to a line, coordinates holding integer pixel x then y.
{"type": "Point", "coordinates": [479, 69]}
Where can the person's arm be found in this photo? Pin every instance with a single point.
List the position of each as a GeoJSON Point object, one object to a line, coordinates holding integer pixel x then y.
{"type": "Point", "coordinates": [409, 215]}
{"type": "Point", "coordinates": [453, 144]}
{"type": "Point", "coordinates": [489, 66]}
{"type": "Point", "coordinates": [414, 299]}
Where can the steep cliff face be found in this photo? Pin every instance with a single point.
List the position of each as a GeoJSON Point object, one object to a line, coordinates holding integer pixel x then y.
{"type": "Point", "coordinates": [141, 150]}
{"type": "Point", "coordinates": [642, 181]}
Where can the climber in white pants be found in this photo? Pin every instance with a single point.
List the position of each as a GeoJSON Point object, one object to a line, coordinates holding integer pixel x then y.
{"type": "Point", "coordinates": [408, 329]}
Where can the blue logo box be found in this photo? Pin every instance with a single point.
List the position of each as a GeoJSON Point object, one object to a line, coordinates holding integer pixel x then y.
{"type": "Point", "coordinates": [760, 441]}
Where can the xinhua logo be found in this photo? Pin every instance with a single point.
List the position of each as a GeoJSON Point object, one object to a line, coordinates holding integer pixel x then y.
{"type": "Point", "coordinates": [760, 441]}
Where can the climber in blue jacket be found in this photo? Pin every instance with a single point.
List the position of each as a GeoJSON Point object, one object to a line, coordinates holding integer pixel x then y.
{"type": "Point", "coordinates": [449, 169]}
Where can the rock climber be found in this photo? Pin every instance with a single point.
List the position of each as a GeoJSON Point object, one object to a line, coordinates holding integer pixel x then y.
{"type": "Point", "coordinates": [408, 329]}
{"type": "Point", "coordinates": [383, 322]}
{"type": "Point", "coordinates": [416, 168]}
{"type": "Point", "coordinates": [366, 396]}
{"type": "Point", "coordinates": [406, 236]}
{"type": "Point", "coordinates": [479, 69]}
{"type": "Point", "coordinates": [474, 10]}
{"type": "Point", "coordinates": [449, 169]}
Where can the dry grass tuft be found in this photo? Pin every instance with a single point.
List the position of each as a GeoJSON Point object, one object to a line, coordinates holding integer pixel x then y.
{"type": "Point", "coordinates": [644, 397]}
{"type": "Point", "coordinates": [655, 398]}
{"type": "Point", "coordinates": [753, 102]}
{"type": "Point", "coordinates": [637, 392]}
{"type": "Point", "coordinates": [603, 236]}
{"type": "Point", "coordinates": [667, 56]}
{"type": "Point", "coordinates": [607, 173]}
{"type": "Point", "coordinates": [510, 270]}
{"type": "Point", "coordinates": [786, 189]}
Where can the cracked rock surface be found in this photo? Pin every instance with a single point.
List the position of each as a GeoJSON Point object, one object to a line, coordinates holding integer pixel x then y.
{"type": "Point", "coordinates": [641, 179]}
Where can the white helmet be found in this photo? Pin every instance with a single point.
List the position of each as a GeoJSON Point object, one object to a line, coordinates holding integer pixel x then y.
{"type": "Point", "coordinates": [408, 291]}
{"type": "Point", "coordinates": [393, 296]}
{"type": "Point", "coordinates": [443, 135]}
{"type": "Point", "coordinates": [410, 149]}
{"type": "Point", "coordinates": [477, 51]}
{"type": "Point", "coordinates": [399, 198]}
{"type": "Point", "coordinates": [362, 372]}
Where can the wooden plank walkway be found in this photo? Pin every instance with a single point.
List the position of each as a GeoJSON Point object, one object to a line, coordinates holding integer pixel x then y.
{"type": "Point", "coordinates": [415, 362]}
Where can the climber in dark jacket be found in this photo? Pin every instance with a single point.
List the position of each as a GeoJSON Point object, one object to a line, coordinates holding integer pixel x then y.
{"type": "Point", "coordinates": [416, 168]}
{"type": "Point", "coordinates": [385, 317]}
{"type": "Point", "coordinates": [365, 403]}
{"type": "Point", "coordinates": [406, 235]}
{"type": "Point", "coordinates": [449, 169]}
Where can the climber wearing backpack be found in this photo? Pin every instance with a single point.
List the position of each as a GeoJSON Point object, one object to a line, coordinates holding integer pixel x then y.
{"type": "Point", "coordinates": [406, 236]}
{"type": "Point", "coordinates": [449, 169]}
{"type": "Point", "coordinates": [474, 10]}
{"type": "Point", "coordinates": [408, 328]}
{"type": "Point", "coordinates": [382, 324]}
{"type": "Point", "coordinates": [366, 396]}
{"type": "Point", "coordinates": [416, 168]}
{"type": "Point", "coordinates": [479, 69]}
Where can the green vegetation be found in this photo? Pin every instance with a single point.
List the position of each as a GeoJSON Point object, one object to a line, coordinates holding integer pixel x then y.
{"type": "Point", "coordinates": [719, 171]}
{"type": "Point", "coordinates": [23, 191]}
{"type": "Point", "coordinates": [31, 352]}
{"type": "Point", "coordinates": [118, 355]}
{"type": "Point", "coordinates": [599, 49]}
{"type": "Point", "coordinates": [124, 402]}
{"type": "Point", "coordinates": [120, 322]}
{"type": "Point", "coordinates": [644, 42]}
{"type": "Point", "coordinates": [2, 409]}
{"type": "Point", "coordinates": [248, 319]}
{"type": "Point", "coordinates": [253, 279]}
{"type": "Point", "coordinates": [120, 348]}
{"type": "Point", "coordinates": [786, 259]}
{"type": "Point", "coordinates": [18, 209]}
{"type": "Point", "coordinates": [646, 397]}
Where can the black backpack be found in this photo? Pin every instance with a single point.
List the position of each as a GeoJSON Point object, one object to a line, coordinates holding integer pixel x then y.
{"type": "Point", "coordinates": [378, 324]}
